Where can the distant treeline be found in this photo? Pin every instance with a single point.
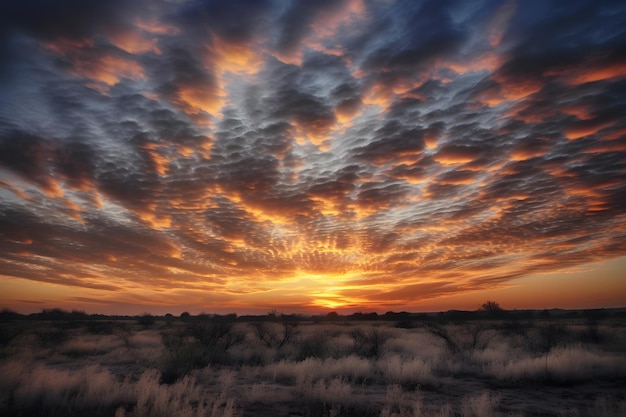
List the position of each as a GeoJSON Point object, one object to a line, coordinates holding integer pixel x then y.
{"type": "Point", "coordinates": [57, 314]}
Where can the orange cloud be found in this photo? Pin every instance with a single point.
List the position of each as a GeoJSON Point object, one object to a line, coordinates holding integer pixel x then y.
{"type": "Point", "coordinates": [160, 161]}
{"type": "Point", "coordinates": [455, 155]}
{"type": "Point", "coordinates": [316, 131]}
{"type": "Point", "coordinates": [95, 65]}
{"type": "Point", "coordinates": [154, 220]}
{"type": "Point", "coordinates": [383, 93]}
{"type": "Point", "coordinates": [597, 72]}
{"type": "Point", "coordinates": [585, 128]}
{"type": "Point", "coordinates": [488, 61]}
{"type": "Point", "coordinates": [237, 58]}
{"type": "Point", "coordinates": [431, 138]}
{"type": "Point", "coordinates": [510, 90]}
{"type": "Point", "coordinates": [379, 95]}
{"type": "Point", "coordinates": [348, 110]}
{"type": "Point", "coordinates": [524, 154]}
{"type": "Point", "coordinates": [51, 188]}
{"type": "Point", "coordinates": [580, 111]}
{"type": "Point", "coordinates": [499, 22]}
{"type": "Point", "coordinates": [156, 27]}
{"type": "Point", "coordinates": [134, 42]}
{"type": "Point", "coordinates": [223, 60]}
{"type": "Point", "coordinates": [199, 98]}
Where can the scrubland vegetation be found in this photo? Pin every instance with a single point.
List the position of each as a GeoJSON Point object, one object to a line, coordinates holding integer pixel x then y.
{"type": "Point", "coordinates": [456, 364]}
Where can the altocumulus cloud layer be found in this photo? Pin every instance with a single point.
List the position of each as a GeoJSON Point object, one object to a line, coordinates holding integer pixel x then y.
{"type": "Point", "coordinates": [359, 152]}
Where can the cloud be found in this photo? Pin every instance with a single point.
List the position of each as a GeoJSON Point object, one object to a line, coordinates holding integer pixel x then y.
{"type": "Point", "coordinates": [364, 152]}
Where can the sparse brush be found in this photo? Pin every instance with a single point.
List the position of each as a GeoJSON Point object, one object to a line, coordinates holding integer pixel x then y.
{"type": "Point", "coordinates": [50, 337]}
{"type": "Point", "coordinates": [441, 332]}
{"type": "Point", "coordinates": [333, 391]}
{"type": "Point", "coordinates": [330, 370]}
{"type": "Point", "coordinates": [146, 320]}
{"type": "Point", "coordinates": [270, 336]}
{"type": "Point", "coordinates": [481, 405]}
{"type": "Point", "coordinates": [401, 404]}
{"type": "Point", "coordinates": [369, 343]}
{"type": "Point", "coordinates": [607, 407]}
{"type": "Point", "coordinates": [195, 346]}
{"type": "Point", "coordinates": [408, 372]}
{"type": "Point", "coordinates": [314, 346]}
{"type": "Point", "coordinates": [465, 339]}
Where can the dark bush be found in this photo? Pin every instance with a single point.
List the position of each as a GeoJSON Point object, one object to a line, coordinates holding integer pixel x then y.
{"type": "Point", "coordinates": [99, 327]}
{"type": "Point", "coordinates": [8, 332]}
{"type": "Point", "coordinates": [196, 345]}
{"type": "Point", "coordinates": [514, 328]}
{"type": "Point", "coordinates": [146, 320]}
{"type": "Point", "coordinates": [51, 336]}
{"type": "Point", "coordinates": [274, 338]}
{"type": "Point", "coordinates": [369, 344]}
{"type": "Point", "coordinates": [314, 346]}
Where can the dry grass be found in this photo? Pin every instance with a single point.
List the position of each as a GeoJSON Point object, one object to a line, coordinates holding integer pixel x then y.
{"type": "Point", "coordinates": [366, 370]}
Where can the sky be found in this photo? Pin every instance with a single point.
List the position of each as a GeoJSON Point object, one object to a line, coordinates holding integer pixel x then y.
{"type": "Point", "coordinates": [312, 156]}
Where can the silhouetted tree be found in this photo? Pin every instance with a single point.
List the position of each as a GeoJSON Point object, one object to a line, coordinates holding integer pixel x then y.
{"type": "Point", "coordinates": [491, 307]}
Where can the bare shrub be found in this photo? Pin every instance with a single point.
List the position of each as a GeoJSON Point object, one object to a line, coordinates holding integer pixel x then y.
{"type": "Point", "coordinates": [50, 337]}
{"type": "Point", "coordinates": [550, 335]}
{"type": "Point", "coordinates": [84, 345]}
{"type": "Point", "coordinates": [369, 343]}
{"type": "Point", "coordinates": [180, 356]}
{"type": "Point", "coordinates": [216, 338]}
{"type": "Point", "coordinates": [333, 391]}
{"type": "Point", "coordinates": [92, 390]}
{"type": "Point", "coordinates": [124, 333]}
{"type": "Point", "coordinates": [42, 390]}
{"type": "Point", "coordinates": [350, 368]}
{"type": "Point", "coordinates": [465, 338]}
{"type": "Point", "coordinates": [183, 398]}
{"type": "Point", "coordinates": [8, 333]}
{"type": "Point", "coordinates": [195, 346]}
{"type": "Point", "coordinates": [441, 332]}
{"type": "Point", "coordinates": [314, 346]}
{"type": "Point", "coordinates": [401, 404]}
{"type": "Point", "coordinates": [566, 364]}
{"type": "Point", "coordinates": [481, 405]}
{"type": "Point", "coordinates": [414, 343]}
{"type": "Point", "coordinates": [408, 372]}
{"type": "Point", "coordinates": [273, 338]}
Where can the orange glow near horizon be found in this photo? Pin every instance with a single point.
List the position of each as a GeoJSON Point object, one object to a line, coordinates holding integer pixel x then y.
{"type": "Point", "coordinates": [532, 292]}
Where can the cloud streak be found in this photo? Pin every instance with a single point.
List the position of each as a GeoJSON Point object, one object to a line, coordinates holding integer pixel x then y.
{"type": "Point", "coordinates": [363, 154]}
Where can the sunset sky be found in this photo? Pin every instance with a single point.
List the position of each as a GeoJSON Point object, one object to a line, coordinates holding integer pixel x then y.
{"type": "Point", "coordinates": [312, 156]}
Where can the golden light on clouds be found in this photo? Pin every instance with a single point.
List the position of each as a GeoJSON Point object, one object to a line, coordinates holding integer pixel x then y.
{"type": "Point", "coordinates": [306, 157]}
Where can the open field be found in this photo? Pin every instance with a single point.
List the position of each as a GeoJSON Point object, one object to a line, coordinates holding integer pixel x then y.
{"type": "Point", "coordinates": [573, 365]}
